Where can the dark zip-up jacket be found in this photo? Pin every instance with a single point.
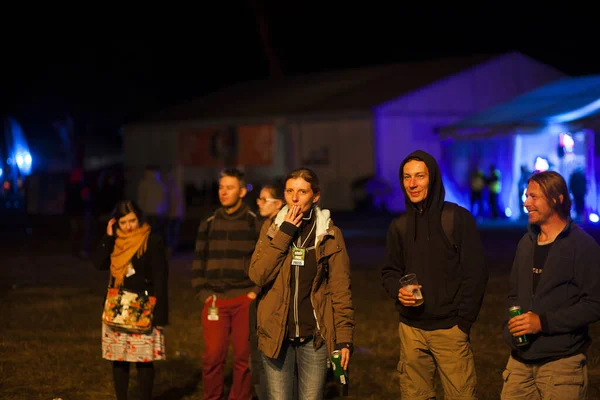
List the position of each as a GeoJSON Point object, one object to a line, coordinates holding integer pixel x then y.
{"type": "Point", "coordinates": [301, 321]}
{"type": "Point", "coordinates": [567, 297]}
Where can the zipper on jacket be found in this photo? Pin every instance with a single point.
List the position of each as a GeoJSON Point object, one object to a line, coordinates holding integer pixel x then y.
{"type": "Point", "coordinates": [322, 250]}
{"type": "Point", "coordinates": [531, 302]}
{"type": "Point", "coordinates": [296, 289]}
{"type": "Point", "coordinates": [297, 275]}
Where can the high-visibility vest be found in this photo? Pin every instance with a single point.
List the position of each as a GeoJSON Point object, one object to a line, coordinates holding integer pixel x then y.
{"type": "Point", "coordinates": [496, 186]}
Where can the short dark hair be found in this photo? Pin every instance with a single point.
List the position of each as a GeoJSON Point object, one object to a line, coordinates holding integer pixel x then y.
{"type": "Point", "coordinates": [234, 172]}
{"type": "Point", "coordinates": [275, 190]}
{"type": "Point", "coordinates": [308, 175]}
{"type": "Point", "coordinates": [553, 186]}
{"type": "Point", "coordinates": [124, 207]}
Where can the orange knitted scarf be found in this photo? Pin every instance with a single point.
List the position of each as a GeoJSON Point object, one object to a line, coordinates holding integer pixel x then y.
{"type": "Point", "coordinates": [126, 246]}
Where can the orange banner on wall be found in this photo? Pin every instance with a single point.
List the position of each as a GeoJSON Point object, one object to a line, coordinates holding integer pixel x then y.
{"type": "Point", "coordinates": [251, 145]}
{"type": "Point", "coordinates": [257, 145]}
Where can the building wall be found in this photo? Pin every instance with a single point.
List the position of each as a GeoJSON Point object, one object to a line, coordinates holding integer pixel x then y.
{"type": "Point", "coordinates": [340, 151]}
{"type": "Point", "coordinates": [142, 147]}
{"type": "Point", "coordinates": [396, 138]}
{"type": "Point", "coordinates": [188, 149]}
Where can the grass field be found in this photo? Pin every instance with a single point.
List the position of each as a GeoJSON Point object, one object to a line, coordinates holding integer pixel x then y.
{"type": "Point", "coordinates": [50, 331]}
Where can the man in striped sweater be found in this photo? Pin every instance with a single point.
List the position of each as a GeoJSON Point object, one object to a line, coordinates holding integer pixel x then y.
{"type": "Point", "coordinates": [224, 247]}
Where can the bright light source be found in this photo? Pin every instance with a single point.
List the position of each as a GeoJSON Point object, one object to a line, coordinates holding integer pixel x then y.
{"type": "Point", "coordinates": [541, 164]}
{"type": "Point", "coordinates": [567, 142]}
{"type": "Point", "coordinates": [24, 161]}
{"type": "Point", "coordinates": [508, 212]}
{"type": "Point", "coordinates": [594, 217]}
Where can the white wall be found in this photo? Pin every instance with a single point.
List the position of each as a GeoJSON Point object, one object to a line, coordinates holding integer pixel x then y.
{"type": "Point", "coordinates": [339, 151]}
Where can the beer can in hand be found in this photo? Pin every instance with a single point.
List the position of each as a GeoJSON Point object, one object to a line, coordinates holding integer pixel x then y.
{"type": "Point", "coordinates": [513, 312]}
{"type": "Point", "coordinates": [338, 370]}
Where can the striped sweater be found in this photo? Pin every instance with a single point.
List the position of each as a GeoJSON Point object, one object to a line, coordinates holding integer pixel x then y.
{"type": "Point", "coordinates": [224, 247]}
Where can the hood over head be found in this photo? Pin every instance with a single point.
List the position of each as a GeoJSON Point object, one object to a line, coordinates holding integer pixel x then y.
{"type": "Point", "coordinates": [431, 207]}
{"type": "Point", "coordinates": [436, 193]}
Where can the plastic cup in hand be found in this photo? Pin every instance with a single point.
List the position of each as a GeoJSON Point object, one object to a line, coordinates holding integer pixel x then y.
{"type": "Point", "coordinates": [409, 282]}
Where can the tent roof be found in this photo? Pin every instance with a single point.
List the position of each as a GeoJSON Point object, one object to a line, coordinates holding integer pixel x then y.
{"type": "Point", "coordinates": [565, 100]}
{"type": "Point", "coordinates": [344, 91]}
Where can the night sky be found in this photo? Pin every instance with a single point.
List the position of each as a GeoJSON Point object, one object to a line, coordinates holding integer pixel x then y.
{"type": "Point", "coordinates": [107, 73]}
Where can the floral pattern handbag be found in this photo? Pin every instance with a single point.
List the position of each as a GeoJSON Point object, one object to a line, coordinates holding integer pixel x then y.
{"type": "Point", "coordinates": [129, 311]}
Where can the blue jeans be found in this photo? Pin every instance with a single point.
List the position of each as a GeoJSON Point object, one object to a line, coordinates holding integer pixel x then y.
{"type": "Point", "coordinates": [310, 364]}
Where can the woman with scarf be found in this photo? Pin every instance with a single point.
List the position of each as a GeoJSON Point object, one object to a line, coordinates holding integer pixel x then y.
{"type": "Point", "coordinates": [137, 261]}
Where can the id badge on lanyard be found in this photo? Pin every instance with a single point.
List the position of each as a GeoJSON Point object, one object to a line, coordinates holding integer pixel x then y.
{"type": "Point", "coordinates": [213, 311]}
{"type": "Point", "coordinates": [298, 256]}
{"type": "Point", "coordinates": [299, 253]}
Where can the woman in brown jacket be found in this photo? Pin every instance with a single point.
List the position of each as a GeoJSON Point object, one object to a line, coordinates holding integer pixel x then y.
{"type": "Point", "coordinates": [305, 309]}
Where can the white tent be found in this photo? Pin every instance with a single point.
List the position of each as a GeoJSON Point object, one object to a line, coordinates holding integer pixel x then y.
{"type": "Point", "coordinates": [345, 125]}
{"type": "Point", "coordinates": [556, 124]}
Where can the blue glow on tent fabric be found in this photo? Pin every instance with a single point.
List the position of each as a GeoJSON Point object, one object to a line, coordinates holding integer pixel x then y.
{"type": "Point", "coordinates": [19, 153]}
{"type": "Point", "coordinates": [578, 113]}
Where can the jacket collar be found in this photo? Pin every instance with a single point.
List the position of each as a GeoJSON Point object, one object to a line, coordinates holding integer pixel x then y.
{"type": "Point", "coordinates": [323, 220]}
{"type": "Point", "coordinates": [534, 230]}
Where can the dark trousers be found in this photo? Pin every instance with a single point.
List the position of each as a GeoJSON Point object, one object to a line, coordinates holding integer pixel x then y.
{"type": "Point", "coordinates": [256, 366]}
{"type": "Point", "coordinates": [476, 199]}
{"type": "Point", "coordinates": [494, 205]}
{"type": "Point", "coordinates": [145, 374]}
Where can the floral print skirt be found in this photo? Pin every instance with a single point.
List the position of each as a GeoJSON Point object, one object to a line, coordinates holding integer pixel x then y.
{"type": "Point", "coordinates": [132, 347]}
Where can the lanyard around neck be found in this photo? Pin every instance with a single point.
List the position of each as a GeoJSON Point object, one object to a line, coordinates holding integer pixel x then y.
{"type": "Point", "coordinates": [301, 246]}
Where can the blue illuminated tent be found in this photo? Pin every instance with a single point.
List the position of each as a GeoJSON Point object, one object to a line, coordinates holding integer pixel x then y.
{"type": "Point", "coordinates": [569, 100]}
{"type": "Point", "coordinates": [531, 128]}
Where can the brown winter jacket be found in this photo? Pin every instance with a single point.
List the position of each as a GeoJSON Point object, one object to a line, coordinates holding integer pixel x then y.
{"type": "Point", "coordinates": [270, 268]}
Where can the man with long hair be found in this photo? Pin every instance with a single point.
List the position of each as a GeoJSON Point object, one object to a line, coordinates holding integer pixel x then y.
{"type": "Point", "coordinates": [555, 279]}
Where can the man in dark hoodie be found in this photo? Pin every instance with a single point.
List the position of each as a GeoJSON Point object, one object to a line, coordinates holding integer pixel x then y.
{"type": "Point", "coordinates": [555, 280]}
{"type": "Point", "coordinates": [452, 277]}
